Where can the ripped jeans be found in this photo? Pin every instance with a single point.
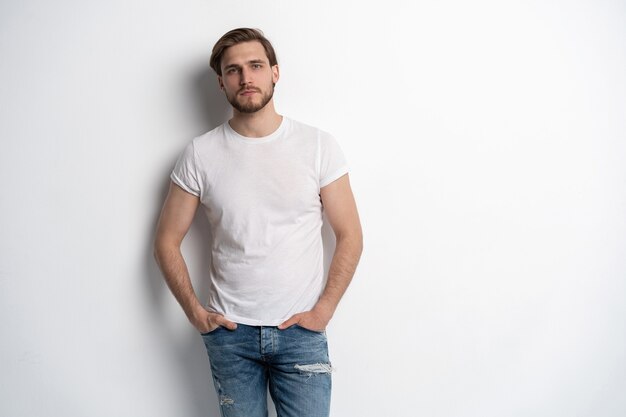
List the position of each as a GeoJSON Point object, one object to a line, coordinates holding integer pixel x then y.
{"type": "Point", "coordinates": [294, 362]}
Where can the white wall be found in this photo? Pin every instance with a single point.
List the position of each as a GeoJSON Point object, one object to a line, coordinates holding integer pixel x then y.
{"type": "Point", "coordinates": [487, 142]}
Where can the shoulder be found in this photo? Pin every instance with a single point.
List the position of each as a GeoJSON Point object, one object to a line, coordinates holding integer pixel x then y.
{"type": "Point", "coordinates": [302, 129]}
{"type": "Point", "coordinates": [210, 141]}
{"type": "Point", "coordinates": [213, 134]}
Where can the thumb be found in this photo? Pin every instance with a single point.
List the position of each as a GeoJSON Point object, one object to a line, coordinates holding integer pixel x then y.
{"type": "Point", "coordinates": [290, 322]}
{"type": "Point", "coordinates": [227, 323]}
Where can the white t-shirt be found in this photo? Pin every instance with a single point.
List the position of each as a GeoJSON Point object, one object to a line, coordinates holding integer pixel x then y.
{"type": "Point", "coordinates": [261, 197]}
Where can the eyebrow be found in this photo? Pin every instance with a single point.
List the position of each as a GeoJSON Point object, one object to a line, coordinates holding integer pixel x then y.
{"type": "Point", "coordinates": [252, 61]}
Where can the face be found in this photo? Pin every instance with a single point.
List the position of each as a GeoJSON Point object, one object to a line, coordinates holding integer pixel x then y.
{"type": "Point", "coordinates": [247, 78]}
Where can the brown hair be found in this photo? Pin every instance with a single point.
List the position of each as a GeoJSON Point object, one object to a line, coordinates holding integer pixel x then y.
{"type": "Point", "coordinates": [234, 37]}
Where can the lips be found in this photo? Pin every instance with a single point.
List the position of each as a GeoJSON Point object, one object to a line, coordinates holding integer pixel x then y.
{"type": "Point", "coordinates": [249, 92]}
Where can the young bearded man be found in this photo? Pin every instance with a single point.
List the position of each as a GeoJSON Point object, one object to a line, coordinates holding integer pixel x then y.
{"type": "Point", "coordinates": [263, 180]}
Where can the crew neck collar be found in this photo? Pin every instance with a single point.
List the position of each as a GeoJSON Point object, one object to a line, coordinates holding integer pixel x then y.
{"type": "Point", "coordinates": [262, 139]}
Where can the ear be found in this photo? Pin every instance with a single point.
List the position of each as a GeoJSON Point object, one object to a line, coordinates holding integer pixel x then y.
{"type": "Point", "coordinates": [275, 73]}
{"type": "Point", "coordinates": [220, 82]}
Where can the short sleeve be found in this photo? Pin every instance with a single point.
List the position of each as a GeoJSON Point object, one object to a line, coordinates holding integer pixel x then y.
{"type": "Point", "coordinates": [332, 161]}
{"type": "Point", "coordinates": [185, 173]}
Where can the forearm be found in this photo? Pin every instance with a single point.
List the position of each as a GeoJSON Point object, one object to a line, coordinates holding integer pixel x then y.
{"type": "Point", "coordinates": [342, 268]}
{"type": "Point", "coordinates": [176, 275]}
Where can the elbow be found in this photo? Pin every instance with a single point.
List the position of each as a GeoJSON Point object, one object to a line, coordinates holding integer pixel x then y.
{"type": "Point", "coordinates": [160, 248]}
{"type": "Point", "coordinates": [360, 243]}
{"type": "Point", "coordinates": [156, 252]}
{"type": "Point", "coordinates": [352, 238]}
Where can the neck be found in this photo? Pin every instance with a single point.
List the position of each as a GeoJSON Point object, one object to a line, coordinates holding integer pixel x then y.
{"type": "Point", "coordinates": [258, 124]}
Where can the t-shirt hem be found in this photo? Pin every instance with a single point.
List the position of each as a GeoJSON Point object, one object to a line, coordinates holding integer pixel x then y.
{"type": "Point", "coordinates": [252, 322]}
{"type": "Point", "coordinates": [182, 185]}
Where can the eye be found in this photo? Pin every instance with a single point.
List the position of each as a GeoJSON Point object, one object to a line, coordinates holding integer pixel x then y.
{"type": "Point", "coordinates": [256, 66]}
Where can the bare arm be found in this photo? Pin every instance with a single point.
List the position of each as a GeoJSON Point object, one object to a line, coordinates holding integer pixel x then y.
{"type": "Point", "coordinates": [342, 214]}
{"type": "Point", "coordinates": [176, 217]}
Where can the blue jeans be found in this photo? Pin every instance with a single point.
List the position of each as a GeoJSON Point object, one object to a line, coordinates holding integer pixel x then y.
{"type": "Point", "coordinates": [294, 362]}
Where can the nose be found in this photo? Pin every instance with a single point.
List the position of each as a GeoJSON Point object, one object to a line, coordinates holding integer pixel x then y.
{"type": "Point", "coordinates": [245, 76]}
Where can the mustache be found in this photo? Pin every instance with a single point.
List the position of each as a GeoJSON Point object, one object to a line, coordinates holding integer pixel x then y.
{"type": "Point", "coordinates": [249, 89]}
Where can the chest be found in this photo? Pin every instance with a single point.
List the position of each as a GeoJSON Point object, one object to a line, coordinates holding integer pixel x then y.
{"type": "Point", "coordinates": [263, 182]}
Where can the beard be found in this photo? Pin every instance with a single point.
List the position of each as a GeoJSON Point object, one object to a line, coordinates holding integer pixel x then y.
{"type": "Point", "coordinates": [251, 106]}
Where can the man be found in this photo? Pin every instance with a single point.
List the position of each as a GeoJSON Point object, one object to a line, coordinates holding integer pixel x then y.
{"type": "Point", "coordinates": [263, 180]}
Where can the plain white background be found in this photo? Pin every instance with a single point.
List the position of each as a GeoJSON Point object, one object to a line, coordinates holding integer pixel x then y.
{"type": "Point", "coordinates": [487, 145]}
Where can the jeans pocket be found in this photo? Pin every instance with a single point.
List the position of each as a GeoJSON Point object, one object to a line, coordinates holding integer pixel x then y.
{"type": "Point", "coordinates": [211, 331]}
{"type": "Point", "coordinates": [322, 332]}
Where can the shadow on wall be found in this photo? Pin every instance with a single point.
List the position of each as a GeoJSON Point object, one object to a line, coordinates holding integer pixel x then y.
{"type": "Point", "coordinates": [209, 101]}
{"type": "Point", "coordinates": [189, 353]}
